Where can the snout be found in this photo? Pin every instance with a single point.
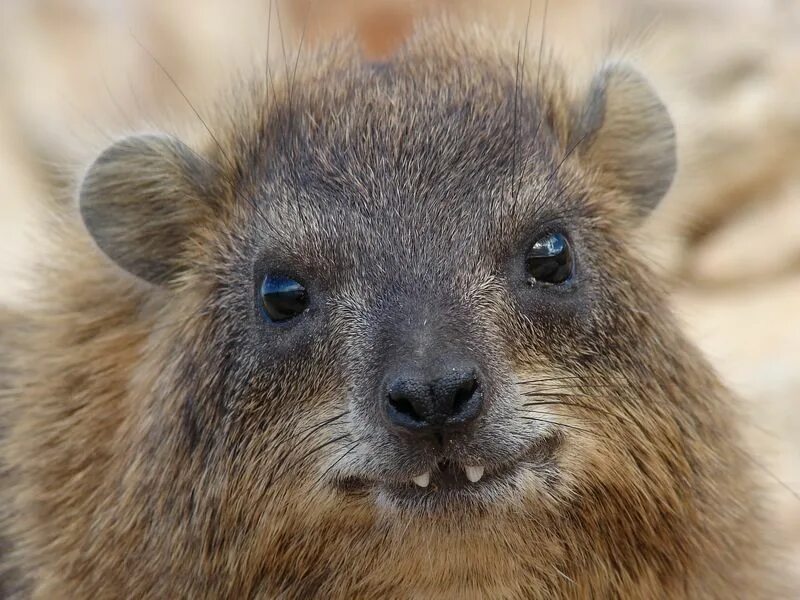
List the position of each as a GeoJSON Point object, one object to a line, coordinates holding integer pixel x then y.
{"type": "Point", "coordinates": [433, 402]}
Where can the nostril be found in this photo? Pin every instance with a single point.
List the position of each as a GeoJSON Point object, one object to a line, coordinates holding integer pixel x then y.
{"type": "Point", "coordinates": [459, 396]}
{"type": "Point", "coordinates": [464, 393]}
{"type": "Point", "coordinates": [404, 406]}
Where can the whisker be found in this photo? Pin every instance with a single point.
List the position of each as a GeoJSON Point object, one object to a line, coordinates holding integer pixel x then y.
{"type": "Point", "coordinates": [350, 449]}
{"type": "Point", "coordinates": [780, 482]}
{"type": "Point", "coordinates": [554, 389]}
{"type": "Point", "coordinates": [578, 405]}
{"type": "Point", "coordinates": [280, 31]}
{"type": "Point", "coordinates": [552, 394]}
{"type": "Point", "coordinates": [172, 80]}
{"type": "Point", "coordinates": [557, 424]}
{"type": "Point", "coordinates": [516, 125]}
{"type": "Point", "coordinates": [539, 68]}
{"type": "Point", "coordinates": [541, 42]}
{"type": "Point", "coordinates": [557, 169]}
{"type": "Point", "coordinates": [302, 39]}
{"type": "Point", "coordinates": [289, 83]}
{"type": "Point", "coordinates": [270, 78]}
{"type": "Point", "coordinates": [117, 106]}
{"type": "Point", "coordinates": [558, 378]}
{"type": "Point", "coordinates": [518, 91]}
{"type": "Point", "coordinates": [324, 445]}
{"type": "Point", "coordinates": [294, 464]}
{"type": "Point", "coordinates": [309, 431]}
{"type": "Point", "coordinates": [527, 29]}
{"type": "Point", "coordinates": [306, 433]}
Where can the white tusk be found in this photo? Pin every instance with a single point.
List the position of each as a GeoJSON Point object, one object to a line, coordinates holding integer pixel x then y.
{"type": "Point", "coordinates": [474, 474]}
{"type": "Point", "coordinates": [423, 480]}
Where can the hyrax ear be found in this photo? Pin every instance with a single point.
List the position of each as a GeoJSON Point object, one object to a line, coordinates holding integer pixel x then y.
{"type": "Point", "coordinates": [625, 133]}
{"type": "Point", "coordinates": [139, 199]}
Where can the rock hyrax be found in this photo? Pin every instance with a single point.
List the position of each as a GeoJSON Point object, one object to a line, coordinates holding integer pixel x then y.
{"type": "Point", "coordinates": [387, 335]}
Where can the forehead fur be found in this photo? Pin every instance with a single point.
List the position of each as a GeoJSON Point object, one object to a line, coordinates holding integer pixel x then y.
{"type": "Point", "coordinates": [446, 137]}
{"type": "Point", "coordinates": [439, 94]}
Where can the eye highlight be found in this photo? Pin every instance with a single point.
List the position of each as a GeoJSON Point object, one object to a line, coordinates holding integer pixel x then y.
{"type": "Point", "coordinates": [282, 298]}
{"type": "Point", "coordinates": [549, 260]}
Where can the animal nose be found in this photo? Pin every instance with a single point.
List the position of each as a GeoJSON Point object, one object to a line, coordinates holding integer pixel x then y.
{"type": "Point", "coordinates": [443, 403]}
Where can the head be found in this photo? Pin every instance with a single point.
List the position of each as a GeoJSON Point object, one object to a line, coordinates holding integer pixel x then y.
{"type": "Point", "coordinates": [407, 288]}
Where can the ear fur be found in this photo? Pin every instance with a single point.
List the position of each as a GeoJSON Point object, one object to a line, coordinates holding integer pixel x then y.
{"type": "Point", "coordinates": [625, 132]}
{"type": "Point", "coordinates": [138, 201]}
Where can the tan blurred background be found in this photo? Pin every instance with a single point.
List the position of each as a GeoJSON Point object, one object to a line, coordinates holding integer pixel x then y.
{"type": "Point", "coordinates": [76, 73]}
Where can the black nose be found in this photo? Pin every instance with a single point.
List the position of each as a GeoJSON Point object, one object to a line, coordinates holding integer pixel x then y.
{"type": "Point", "coordinates": [424, 404]}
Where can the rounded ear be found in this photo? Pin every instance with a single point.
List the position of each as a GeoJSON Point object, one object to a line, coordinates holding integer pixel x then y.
{"type": "Point", "coordinates": [625, 133]}
{"type": "Point", "coordinates": [139, 200]}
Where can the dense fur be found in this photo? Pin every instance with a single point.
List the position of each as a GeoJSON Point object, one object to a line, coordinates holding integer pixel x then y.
{"type": "Point", "coordinates": [166, 442]}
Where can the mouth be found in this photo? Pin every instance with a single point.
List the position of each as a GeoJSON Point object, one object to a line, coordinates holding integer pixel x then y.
{"type": "Point", "coordinates": [450, 475]}
{"type": "Point", "coordinates": [452, 486]}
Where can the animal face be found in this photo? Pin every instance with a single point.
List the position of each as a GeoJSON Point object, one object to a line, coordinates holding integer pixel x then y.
{"type": "Point", "coordinates": [410, 286]}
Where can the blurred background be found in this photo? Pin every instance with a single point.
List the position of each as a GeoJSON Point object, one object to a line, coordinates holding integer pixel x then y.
{"type": "Point", "coordinates": [76, 73]}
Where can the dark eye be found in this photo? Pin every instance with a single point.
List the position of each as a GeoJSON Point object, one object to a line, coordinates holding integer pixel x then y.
{"type": "Point", "coordinates": [549, 260]}
{"type": "Point", "coordinates": [282, 298]}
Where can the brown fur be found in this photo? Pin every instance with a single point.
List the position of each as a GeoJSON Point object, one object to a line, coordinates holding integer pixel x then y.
{"type": "Point", "coordinates": [154, 454]}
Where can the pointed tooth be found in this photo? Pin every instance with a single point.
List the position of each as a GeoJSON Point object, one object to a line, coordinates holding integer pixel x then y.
{"type": "Point", "coordinates": [474, 474]}
{"type": "Point", "coordinates": [423, 480]}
